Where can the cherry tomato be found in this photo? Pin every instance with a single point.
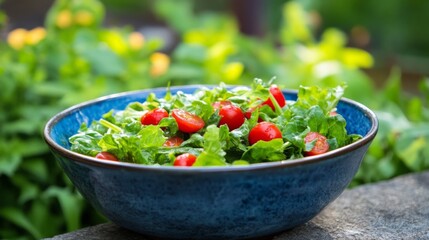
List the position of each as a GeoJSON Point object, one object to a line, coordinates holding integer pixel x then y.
{"type": "Point", "coordinates": [321, 145]}
{"type": "Point", "coordinates": [106, 156]}
{"type": "Point", "coordinates": [154, 116]}
{"type": "Point", "coordinates": [173, 142]}
{"type": "Point", "coordinates": [230, 114]}
{"type": "Point", "coordinates": [248, 114]}
{"type": "Point", "coordinates": [187, 122]}
{"type": "Point", "coordinates": [184, 160]}
{"type": "Point", "coordinates": [333, 113]}
{"type": "Point", "coordinates": [264, 131]}
{"type": "Point", "coordinates": [217, 105]}
{"type": "Point", "coordinates": [278, 95]}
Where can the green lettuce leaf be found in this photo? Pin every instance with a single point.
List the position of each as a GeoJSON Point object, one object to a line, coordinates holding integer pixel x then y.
{"type": "Point", "coordinates": [213, 154]}
{"type": "Point", "coordinates": [326, 98]}
{"type": "Point", "coordinates": [263, 151]}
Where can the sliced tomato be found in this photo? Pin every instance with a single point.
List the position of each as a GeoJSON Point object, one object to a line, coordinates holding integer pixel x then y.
{"type": "Point", "coordinates": [106, 156]}
{"type": "Point", "coordinates": [264, 131]}
{"type": "Point", "coordinates": [173, 142]}
{"type": "Point", "coordinates": [154, 116]}
{"type": "Point", "coordinates": [187, 122]}
{"type": "Point", "coordinates": [278, 95]}
{"type": "Point", "coordinates": [320, 146]}
{"type": "Point", "coordinates": [230, 114]}
{"type": "Point", "coordinates": [185, 160]}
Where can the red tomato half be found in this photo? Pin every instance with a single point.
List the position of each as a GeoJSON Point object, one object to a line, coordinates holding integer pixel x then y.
{"type": "Point", "coordinates": [184, 160]}
{"type": "Point", "coordinates": [154, 116]}
{"type": "Point", "coordinates": [278, 95]}
{"type": "Point", "coordinates": [187, 122]}
{"type": "Point", "coordinates": [173, 142]}
{"type": "Point", "coordinates": [264, 131]}
{"type": "Point", "coordinates": [230, 114]}
{"type": "Point", "coordinates": [321, 145]}
{"type": "Point", "coordinates": [106, 156]}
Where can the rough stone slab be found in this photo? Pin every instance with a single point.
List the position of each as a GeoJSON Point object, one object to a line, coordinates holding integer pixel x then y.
{"type": "Point", "coordinates": [395, 209]}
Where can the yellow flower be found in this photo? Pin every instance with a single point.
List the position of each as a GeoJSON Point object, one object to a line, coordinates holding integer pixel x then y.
{"type": "Point", "coordinates": [64, 19]}
{"type": "Point", "coordinates": [136, 41]}
{"type": "Point", "coordinates": [115, 40]}
{"type": "Point", "coordinates": [35, 36]}
{"type": "Point", "coordinates": [231, 72]}
{"type": "Point", "coordinates": [16, 38]}
{"type": "Point", "coordinates": [160, 63]}
{"type": "Point", "coordinates": [84, 18]}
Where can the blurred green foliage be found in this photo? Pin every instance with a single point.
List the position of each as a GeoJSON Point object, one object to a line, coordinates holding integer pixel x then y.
{"type": "Point", "coordinates": [43, 71]}
{"type": "Point", "coordinates": [396, 27]}
{"type": "Point", "coordinates": [74, 58]}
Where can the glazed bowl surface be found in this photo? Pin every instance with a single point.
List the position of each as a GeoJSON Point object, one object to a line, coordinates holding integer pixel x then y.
{"type": "Point", "coordinates": [207, 202]}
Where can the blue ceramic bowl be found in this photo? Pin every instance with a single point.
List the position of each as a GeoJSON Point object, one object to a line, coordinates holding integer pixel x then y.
{"type": "Point", "coordinates": [208, 202]}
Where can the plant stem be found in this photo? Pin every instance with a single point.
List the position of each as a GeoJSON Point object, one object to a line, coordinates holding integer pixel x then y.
{"type": "Point", "coordinates": [110, 125]}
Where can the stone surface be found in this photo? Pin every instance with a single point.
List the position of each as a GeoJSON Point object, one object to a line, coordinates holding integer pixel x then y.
{"type": "Point", "coordinates": [395, 209]}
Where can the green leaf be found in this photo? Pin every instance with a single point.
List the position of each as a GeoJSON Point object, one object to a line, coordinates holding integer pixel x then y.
{"type": "Point", "coordinates": [240, 163]}
{"type": "Point", "coordinates": [131, 147]}
{"type": "Point", "coordinates": [391, 119]}
{"type": "Point", "coordinates": [182, 11]}
{"type": "Point", "coordinates": [337, 130]}
{"type": "Point", "coordinates": [200, 108]}
{"type": "Point", "coordinates": [196, 140]}
{"type": "Point", "coordinates": [393, 89]}
{"type": "Point", "coordinates": [86, 142]}
{"type": "Point", "coordinates": [263, 151]}
{"type": "Point", "coordinates": [28, 192]}
{"type": "Point", "coordinates": [71, 205]}
{"type": "Point", "coordinates": [190, 53]}
{"type": "Point", "coordinates": [411, 147]}
{"type": "Point", "coordinates": [170, 125]}
{"type": "Point", "coordinates": [51, 89]}
{"type": "Point", "coordinates": [102, 60]}
{"type": "Point", "coordinates": [9, 164]}
{"type": "Point", "coordinates": [213, 154]}
{"type": "Point", "coordinates": [37, 167]}
{"type": "Point", "coordinates": [415, 109]}
{"type": "Point", "coordinates": [151, 136]}
{"type": "Point", "coordinates": [183, 73]}
{"type": "Point", "coordinates": [316, 120]}
{"type": "Point", "coordinates": [424, 88]}
{"type": "Point", "coordinates": [17, 217]}
{"type": "Point", "coordinates": [295, 27]}
{"type": "Point", "coordinates": [259, 90]}
{"type": "Point", "coordinates": [295, 130]}
{"type": "Point", "coordinates": [326, 98]}
{"type": "Point", "coordinates": [357, 83]}
{"type": "Point", "coordinates": [47, 223]}
{"type": "Point", "coordinates": [28, 189]}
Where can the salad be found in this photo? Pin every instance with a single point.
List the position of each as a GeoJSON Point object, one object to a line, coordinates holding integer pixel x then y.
{"type": "Point", "coordinates": [220, 126]}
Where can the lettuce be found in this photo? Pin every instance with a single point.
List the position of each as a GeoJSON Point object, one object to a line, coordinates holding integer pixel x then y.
{"type": "Point", "coordinates": [122, 134]}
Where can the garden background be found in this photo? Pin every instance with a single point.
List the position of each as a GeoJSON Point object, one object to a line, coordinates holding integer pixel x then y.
{"type": "Point", "coordinates": [54, 54]}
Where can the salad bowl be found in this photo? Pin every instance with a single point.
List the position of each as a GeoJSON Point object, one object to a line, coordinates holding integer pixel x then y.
{"type": "Point", "coordinates": [228, 202]}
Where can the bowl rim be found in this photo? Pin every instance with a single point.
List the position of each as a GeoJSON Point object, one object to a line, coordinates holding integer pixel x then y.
{"type": "Point", "coordinates": [80, 158]}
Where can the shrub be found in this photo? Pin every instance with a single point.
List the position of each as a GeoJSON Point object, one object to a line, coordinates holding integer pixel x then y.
{"type": "Point", "coordinates": [74, 58]}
